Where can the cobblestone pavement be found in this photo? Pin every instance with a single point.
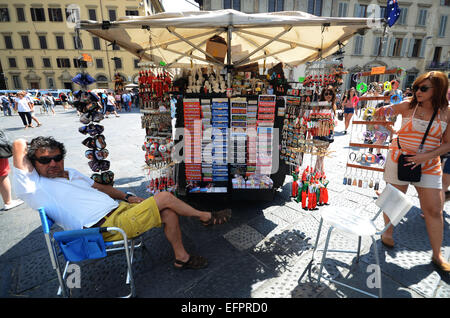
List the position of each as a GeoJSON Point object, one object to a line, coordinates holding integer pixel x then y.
{"type": "Point", "coordinates": [263, 252]}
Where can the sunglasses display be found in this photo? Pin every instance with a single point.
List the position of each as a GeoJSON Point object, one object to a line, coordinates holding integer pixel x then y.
{"type": "Point", "coordinates": [91, 129]}
{"type": "Point", "coordinates": [99, 165]}
{"type": "Point", "coordinates": [101, 154]}
{"type": "Point", "coordinates": [100, 142]}
{"type": "Point", "coordinates": [106, 177]}
{"type": "Point", "coordinates": [47, 160]}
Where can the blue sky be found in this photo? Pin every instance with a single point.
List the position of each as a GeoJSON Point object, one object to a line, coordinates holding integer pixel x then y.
{"type": "Point", "coordinates": [178, 5]}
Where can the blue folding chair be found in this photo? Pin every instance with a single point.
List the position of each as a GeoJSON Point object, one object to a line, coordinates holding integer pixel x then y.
{"type": "Point", "coordinates": [85, 244]}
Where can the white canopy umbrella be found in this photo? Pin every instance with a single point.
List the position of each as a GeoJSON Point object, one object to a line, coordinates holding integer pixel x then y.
{"type": "Point", "coordinates": [179, 38]}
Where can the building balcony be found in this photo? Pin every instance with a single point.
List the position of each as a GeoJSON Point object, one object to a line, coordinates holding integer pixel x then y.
{"type": "Point", "coordinates": [438, 66]}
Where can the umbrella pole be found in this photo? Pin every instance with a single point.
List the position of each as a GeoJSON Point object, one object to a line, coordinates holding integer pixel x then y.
{"type": "Point", "coordinates": [229, 66]}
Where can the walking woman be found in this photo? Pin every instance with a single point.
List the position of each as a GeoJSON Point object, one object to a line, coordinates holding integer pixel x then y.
{"type": "Point", "coordinates": [23, 107]}
{"type": "Point", "coordinates": [349, 107]}
{"type": "Point", "coordinates": [430, 91]}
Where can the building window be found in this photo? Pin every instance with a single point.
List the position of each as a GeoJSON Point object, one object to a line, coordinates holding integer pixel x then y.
{"type": "Point", "coordinates": [383, 12]}
{"type": "Point", "coordinates": [276, 5]}
{"type": "Point", "coordinates": [112, 15]}
{"type": "Point", "coordinates": [358, 45]}
{"type": "Point", "coordinates": [12, 62]}
{"type": "Point", "coordinates": [43, 42]}
{"type": "Point", "coordinates": [132, 12]}
{"type": "Point", "coordinates": [63, 62]}
{"type": "Point", "coordinates": [416, 47]}
{"type": "Point", "coordinates": [8, 41]}
{"type": "Point", "coordinates": [402, 19]}
{"type": "Point", "coordinates": [232, 4]}
{"type": "Point", "coordinates": [77, 44]}
{"type": "Point", "coordinates": [92, 14]}
{"type": "Point", "coordinates": [29, 62]}
{"type": "Point", "coordinates": [4, 15]}
{"type": "Point", "coordinates": [117, 62]}
{"type": "Point", "coordinates": [398, 47]}
{"type": "Point", "coordinates": [78, 63]}
{"type": "Point", "coordinates": [342, 9]}
{"type": "Point", "coordinates": [37, 14]}
{"type": "Point", "coordinates": [96, 42]}
{"type": "Point", "coordinates": [46, 62]}
{"type": "Point", "coordinates": [442, 26]}
{"type": "Point", "coordinates": [72, 14]}
{"type": "Point", "coordinates": [60, 42]}
{"type": "Point", "coordinates": [99, 63]}
{"type": "Point", "coordinates": [55, 15]}
{"type": "Point", "coordinates": [25, 41]}
{"type": "Point", "coordinates": [380, 47]}
{"type": "Point", "coordinates": [20, 14]}
{"type": "Point", "coordinates": [51, 82]}
{"type": "Point", "coordinates": [16, 82]}
{"type": "Point", "coordinates": [360, 11]}
{"type": "Point", "coordinates": [315, 7]}
{"type": "Point", "coordinates": [115, 47]}
{"type": "Point", "coordinates": [136, 62]}
{"type": "Point", "coordinates": [422, 20]}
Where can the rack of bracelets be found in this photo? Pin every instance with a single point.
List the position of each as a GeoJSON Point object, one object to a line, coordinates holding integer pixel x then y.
{"type": "Point", "coordinates": [369, 138]}
{"type": "Point", "coordinates": [155, 107]}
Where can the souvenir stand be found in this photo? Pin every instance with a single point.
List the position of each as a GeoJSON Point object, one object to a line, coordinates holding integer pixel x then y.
{"type": "Point", "coordinates": [230, 114]}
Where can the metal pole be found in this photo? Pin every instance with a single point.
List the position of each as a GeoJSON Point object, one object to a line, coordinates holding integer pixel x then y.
{"type": "Point", "coordinates": [229, 35]}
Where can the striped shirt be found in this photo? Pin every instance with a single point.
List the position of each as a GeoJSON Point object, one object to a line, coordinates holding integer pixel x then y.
{"type": "Point", "coordinates": [410, 136]}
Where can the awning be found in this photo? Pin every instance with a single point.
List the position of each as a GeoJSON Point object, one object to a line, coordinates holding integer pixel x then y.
{"type": "Point", "coordinates": [179, 38]}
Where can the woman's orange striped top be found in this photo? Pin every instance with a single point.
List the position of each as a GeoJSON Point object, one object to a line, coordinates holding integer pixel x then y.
{"type": "Point", "coordinates": [410, 136]}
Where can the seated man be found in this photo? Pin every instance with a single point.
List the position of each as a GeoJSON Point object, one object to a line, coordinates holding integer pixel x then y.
{"type": "Point", "coordinates": [75, 201]}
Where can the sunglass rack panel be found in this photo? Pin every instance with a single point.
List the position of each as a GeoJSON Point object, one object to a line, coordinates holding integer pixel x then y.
{"type": "Point", "coordinates": [368, 148]}
{"type": "Point", "coordinates": [88, 104]}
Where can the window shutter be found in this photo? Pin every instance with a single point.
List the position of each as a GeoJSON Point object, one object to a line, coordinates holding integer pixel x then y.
{"type": "Point", "coordinates": [356, 11]}
{"type": "Point", "coordinates": [422, 49]}
{"type": "Point", "coordinates": [376, 46]}
{"type": "Point", "coordinates": [404, 46]}
{"type": "Point", "coordinates": [385, 46]}
{"type": "Point", "coordinates": [391, 47]}
{"type": "Point", "coordinates": [411, 47]}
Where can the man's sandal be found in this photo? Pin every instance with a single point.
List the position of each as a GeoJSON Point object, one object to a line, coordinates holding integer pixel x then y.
{"type": "Point", "coordinates": [218, 217]}
{"type": "Point", "coordinates": [194, 262]}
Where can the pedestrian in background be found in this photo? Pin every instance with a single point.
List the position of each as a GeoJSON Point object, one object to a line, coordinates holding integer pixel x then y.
{"type": "Point", "coordinates": [23, 108]}
{"type": "Point", "coordinates": [50, 102]}
{"type": "Point", "coordinates": [5, 182]}
{"type": "Point", "coordinates": [111, 105]}
{"type": "Point", "coordinates": [31, 104]}
{"type": "Point", "coordinates": [6, 105]}
{"type": "Point", "coordinates": [64, 100]}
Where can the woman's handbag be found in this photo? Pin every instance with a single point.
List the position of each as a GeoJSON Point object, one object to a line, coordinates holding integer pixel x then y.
{"type": "Point", "coordinates": [5, 146]}
{"type": "Point", "coordinates": [405, 173]}
{"type": "Point", "coordinates": [340, 115]}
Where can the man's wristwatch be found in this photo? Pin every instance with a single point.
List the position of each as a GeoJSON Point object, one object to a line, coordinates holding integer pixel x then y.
{"type": "Point", "coordinates": [127, 196]}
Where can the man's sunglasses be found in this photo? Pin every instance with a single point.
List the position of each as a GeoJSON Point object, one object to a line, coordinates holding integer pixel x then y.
{"type": "Point", "coordinates": [423, 89]}
{"type": "Point", "coordinates": [47, 160]}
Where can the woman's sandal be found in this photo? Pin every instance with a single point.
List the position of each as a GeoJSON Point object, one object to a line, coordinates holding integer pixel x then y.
{"type": "Point", "coordinates": [443, 266]}
{"type": "Point", "coordinates": [218, 217]}
{"type": "Point", "coordinates": [194, 262]}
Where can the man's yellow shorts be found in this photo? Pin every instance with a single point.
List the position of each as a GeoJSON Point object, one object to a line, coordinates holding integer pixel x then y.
{"type": "Point", "coordinates": [133, 218]}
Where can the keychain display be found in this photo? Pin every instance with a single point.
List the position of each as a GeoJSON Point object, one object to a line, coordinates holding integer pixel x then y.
{"type": "Point", "coordinates": [309, 188]}
{"type": "Point", "coordinates": [154, 84]}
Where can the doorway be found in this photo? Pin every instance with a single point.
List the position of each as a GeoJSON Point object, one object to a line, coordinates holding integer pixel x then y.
{"type": "Point", "coordinates": [68, 85]}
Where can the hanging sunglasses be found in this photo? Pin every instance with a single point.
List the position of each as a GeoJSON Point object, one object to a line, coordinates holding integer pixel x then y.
{"type": "Point", "coordinates": [100, 165]}
{"type": "Point", "coordinates": [101, 154]}
{"type": "Point", "coordinates": [91, 129]}
{"type": "Point", "coordinates": [97, 117]}
{"type": "Point", "coordinates": [85, 119]}
{"type": "Point", "coordinates": [106, 177]}
{"type": "Point", "coordinates": [89, 154]}
{"type": "Point", "coordinates": [47, 160]}
{"type": "Point", "coordinates": [423, 88]}
{"type": "Point", "coordinates": [100, 142]}
{"type": "Point", "coordinates": [89, 142]}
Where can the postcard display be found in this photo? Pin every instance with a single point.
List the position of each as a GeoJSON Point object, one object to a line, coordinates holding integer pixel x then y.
{"type": "Point", "coordinates": [306, 129]}
{"type": "Point", "coordinates": [156, 119]}
{"type": "Point", "coordinates": [228, 143]}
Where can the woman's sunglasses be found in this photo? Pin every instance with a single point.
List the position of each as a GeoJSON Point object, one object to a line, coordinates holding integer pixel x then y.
{"type": "Point", "coordinates": [47, 160]}
{"type": "Point", "coordinates": [328, 94]}
{"type": "Point", "coordinates": [423, 89]}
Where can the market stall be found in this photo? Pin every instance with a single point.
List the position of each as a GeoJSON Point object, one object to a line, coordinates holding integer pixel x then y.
{"type": "Point", "coordinates": [230, 111]}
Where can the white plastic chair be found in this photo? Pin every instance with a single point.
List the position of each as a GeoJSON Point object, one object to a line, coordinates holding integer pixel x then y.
{"type": "Point", "coordinates": [394, 203]}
